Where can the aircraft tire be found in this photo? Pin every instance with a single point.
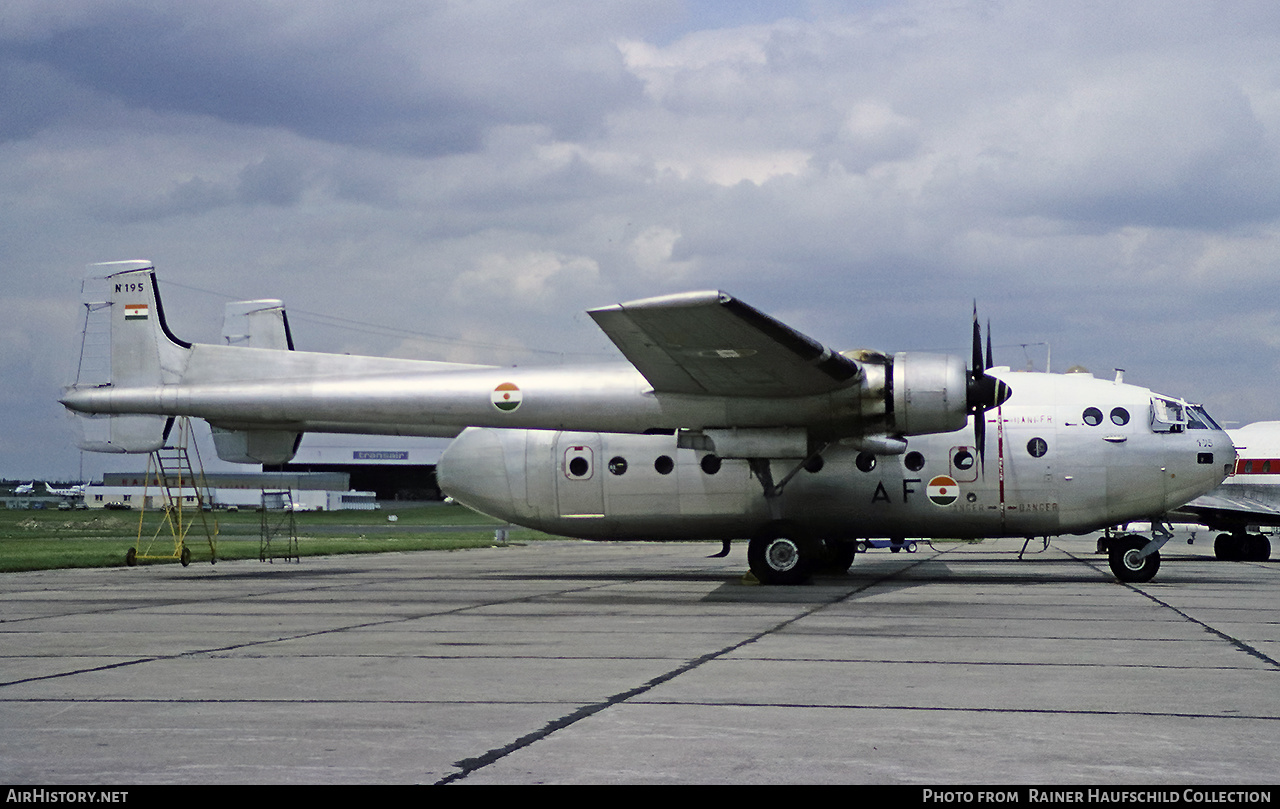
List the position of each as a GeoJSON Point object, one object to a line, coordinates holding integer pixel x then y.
{"type": "Point", "coordinates": [1224, 547]}
{"type": "Point", "coordinates": [839, 556]}
{"type": "Point", "coordinates": [185, 557]}
{"type": "Point", "coordinates": [131, 557]}
{"type": "Point", "coordinates": [783, 554]}
{"type": "Point", "coordinates": [1128, 569]}
{"type": "Point", "coordinates": [1257, 548]}
{"type": "Point", "coordinates": [862, 546]}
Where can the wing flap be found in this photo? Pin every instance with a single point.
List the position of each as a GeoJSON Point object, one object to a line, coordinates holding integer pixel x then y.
{"type": "Point", "coordinates": [713, 344]}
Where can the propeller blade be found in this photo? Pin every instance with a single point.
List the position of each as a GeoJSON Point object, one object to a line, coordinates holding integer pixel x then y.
{"type": "Point", "coordinates": [978, 368]}
{"type": "Point", "coordinates": [990, 362]}
{"type": "Point", "coordinates": [980, 438]}
{"type": "Point", "coordinates": [985, 391]}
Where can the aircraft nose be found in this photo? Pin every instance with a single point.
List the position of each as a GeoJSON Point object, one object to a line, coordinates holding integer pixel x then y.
{"type": "Point", "coordinates": [473, 471]}
{"type": "Point", "coordinates": [1229, 464]}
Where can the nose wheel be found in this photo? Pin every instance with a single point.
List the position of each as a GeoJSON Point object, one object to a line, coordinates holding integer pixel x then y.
{"type": "Point", "coordinates": [1131, 562]}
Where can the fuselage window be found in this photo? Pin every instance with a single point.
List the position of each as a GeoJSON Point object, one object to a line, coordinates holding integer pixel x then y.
{"type": "Point", "coordinates": [579, 467]}
{"type": "Point", "coordinates": [618, 465]}
{"type": "Point", "coordinates": [865, 461]}
{"type": "Point", "coordinates": [710, 464]}
{"type": "Point", "coordinates": [963, 459]}
{"type": "Point", "coordinates": [914, 461]}
{"type": "Point", "coordinates": [664, 465]}
{"type": "Point", "coordinates": [1119, 416]}
{"type": "Point", "coordinates": [1037, 447]}
{"type": "Point", "coordinates": [1092, 416]}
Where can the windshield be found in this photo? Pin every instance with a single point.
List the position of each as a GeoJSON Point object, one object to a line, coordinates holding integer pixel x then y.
{"type": "Point", "coordinates": [1199, 419]}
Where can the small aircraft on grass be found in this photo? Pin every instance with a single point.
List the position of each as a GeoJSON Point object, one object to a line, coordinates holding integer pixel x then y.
{"type": "Point", "coordinates": [724, 423]}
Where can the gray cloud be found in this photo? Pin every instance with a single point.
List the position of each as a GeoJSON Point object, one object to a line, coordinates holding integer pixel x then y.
{"type": "Point", "coordinates": [1101, 178]}
{"type": "Point", "coordinates": [426, 79]}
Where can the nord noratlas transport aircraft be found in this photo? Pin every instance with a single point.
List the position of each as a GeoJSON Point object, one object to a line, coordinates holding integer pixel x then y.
{"type": "Point", "coordinates": [724, 423]}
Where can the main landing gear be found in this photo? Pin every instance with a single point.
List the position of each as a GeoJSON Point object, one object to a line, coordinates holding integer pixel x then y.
{"type": "Point", "coordinates": [1242, 547]}
{"type": "Point", "coordinates": [784, 553]}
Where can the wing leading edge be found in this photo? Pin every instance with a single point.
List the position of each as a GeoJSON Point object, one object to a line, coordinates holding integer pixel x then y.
{"type": "Point", "coordinates": [710, 343]}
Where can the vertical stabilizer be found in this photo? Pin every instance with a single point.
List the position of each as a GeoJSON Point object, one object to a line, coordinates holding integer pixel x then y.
{"type": "Point", "coordinates": [256, 324]}
{"type": "Point", "coordinates": [125, 343]}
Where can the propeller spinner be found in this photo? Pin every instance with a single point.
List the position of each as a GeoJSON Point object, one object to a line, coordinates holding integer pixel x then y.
{"type": "Point", "coordinates": [985, 391]}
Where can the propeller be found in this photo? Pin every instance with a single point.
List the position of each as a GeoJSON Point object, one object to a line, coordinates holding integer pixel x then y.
{"type": "Point", "coordinates": [984, 391]}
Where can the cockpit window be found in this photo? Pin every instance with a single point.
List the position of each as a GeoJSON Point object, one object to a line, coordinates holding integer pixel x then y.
{"type": "Point", "coordinates": [1167, 415]}
{"type": "Point", "coordinates": [1199, 419]}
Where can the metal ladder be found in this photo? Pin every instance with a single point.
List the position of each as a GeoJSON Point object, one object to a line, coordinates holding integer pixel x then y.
{"type": "Point", "coordinates": [184, 497]}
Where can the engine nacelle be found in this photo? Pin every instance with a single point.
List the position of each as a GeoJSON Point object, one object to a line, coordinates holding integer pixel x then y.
{"type": "Point", "coordinates": [929, 394]}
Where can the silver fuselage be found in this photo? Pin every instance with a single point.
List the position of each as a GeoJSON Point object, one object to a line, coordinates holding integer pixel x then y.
{"type": "Point", "coordinates": [1046, 472]}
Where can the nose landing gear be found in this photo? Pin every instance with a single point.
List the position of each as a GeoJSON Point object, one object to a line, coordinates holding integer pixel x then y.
{"type": "Point", "coordinates": [1132, 557]}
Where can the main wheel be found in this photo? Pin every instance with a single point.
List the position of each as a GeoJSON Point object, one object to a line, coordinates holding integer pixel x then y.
{"type": "Point", "coordinates": [783, 554]}
{"type": "Point", "coordinates": [185, 557]}
{"type": "Point", "coordinates": [839, 556]}
{"type": "Point", "coordinates": [1225, 547]}
{"type": "Point", "coordinates": [1257, 548]}
{"type": "Point", "coordinates": [1125, 563]}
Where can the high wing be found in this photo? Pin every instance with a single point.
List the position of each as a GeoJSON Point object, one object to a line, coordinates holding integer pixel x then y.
{"type": "Point", "coordinates": [710, 343]}
{"type": "Point", "coordinates": [699, 361]}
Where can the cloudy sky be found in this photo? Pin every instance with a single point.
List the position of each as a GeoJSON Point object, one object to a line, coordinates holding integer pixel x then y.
{"type": "Point", "coordinates": [460, 180]}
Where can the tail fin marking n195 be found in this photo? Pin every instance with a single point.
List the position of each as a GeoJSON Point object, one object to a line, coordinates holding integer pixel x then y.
{"type": "Point", "coordinates": [125, 342]}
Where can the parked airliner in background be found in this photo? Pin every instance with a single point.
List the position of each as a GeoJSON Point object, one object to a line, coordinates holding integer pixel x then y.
{"type": "Point", "coordinates": [724, 423]}
{"type": "Point", "coordinates": [25, 488]}
{"type": "Point", "coordinates": [1246, 501]}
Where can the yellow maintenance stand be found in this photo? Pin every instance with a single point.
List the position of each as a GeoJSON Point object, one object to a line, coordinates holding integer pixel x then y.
{"type": "Point", "coordinates": [183, 498]}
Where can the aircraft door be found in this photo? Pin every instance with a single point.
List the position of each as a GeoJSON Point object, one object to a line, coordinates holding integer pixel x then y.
{"type": "Point", "coordinates": [579, 484]}
{"type": "Point", "coordinates": [964, 464]}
